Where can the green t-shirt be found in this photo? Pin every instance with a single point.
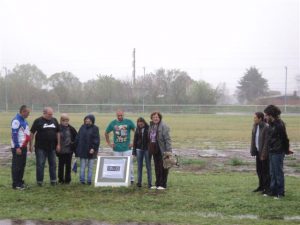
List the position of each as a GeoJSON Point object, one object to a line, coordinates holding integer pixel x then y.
{"type": "Point", "coordinates": [121, 131]}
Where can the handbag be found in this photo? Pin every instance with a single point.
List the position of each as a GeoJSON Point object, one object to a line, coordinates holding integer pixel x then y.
{"type": "Point", "coordinates": [170, 160]}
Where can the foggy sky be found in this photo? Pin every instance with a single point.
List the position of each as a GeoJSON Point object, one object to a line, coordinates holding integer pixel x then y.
{"type": "Point", "coordinates": [212, 40]}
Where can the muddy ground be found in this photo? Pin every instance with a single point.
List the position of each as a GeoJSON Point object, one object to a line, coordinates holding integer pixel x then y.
{"type": "Point", "coordinates": [86, 222]}
{"type": "Point", "coordinates": [201, 161]}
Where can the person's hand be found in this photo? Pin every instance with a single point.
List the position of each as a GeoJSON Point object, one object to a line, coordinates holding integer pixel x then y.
{"type": "Point", "coordinates": [112, 145]}
{"type": "Point", "coordinates": [58, 148]}
{"type": "Point", "coordinates": [130, 145]}
{"type": "Point", "coordinates": [19, 151]}
{"type": "Point", "coordinates": [290, 152]}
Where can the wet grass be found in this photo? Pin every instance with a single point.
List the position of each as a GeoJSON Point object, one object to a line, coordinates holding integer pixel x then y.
{"type": "Point", "coordinates": [219, 197]}
{"type": "Point", "coordinates": [192, 162]}
{"type": "Point", "coordinates": [197, 131]}
{"type": "Point", "coordinates": [191, 198]}
{"type": "Point", "coordinates": [237, 162]}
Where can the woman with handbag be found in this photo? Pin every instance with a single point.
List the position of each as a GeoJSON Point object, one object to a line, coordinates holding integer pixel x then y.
{"type": "Point", "coordinates": [159, 143]}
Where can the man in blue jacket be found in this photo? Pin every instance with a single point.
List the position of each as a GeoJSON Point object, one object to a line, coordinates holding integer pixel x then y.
{"type": "Point", "coordinates": [20, 137]}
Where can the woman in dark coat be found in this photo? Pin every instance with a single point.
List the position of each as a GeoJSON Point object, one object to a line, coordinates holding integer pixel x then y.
{"type": "Point", "coordinates": [88, 141]}
{"type": "Point", "coordinates": [140, 150]}
{"type": "Point", "coordinates": [67, 143]}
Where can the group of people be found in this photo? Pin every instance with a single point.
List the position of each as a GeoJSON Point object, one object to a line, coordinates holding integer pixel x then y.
{"type": "Point", "coordinates": [53, 139]}
{"type": "Point", "coordinates": [270, 144]}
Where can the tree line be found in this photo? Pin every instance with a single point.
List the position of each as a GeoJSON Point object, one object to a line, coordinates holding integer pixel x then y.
{"type": "Point", "coordinates": [27, 84]}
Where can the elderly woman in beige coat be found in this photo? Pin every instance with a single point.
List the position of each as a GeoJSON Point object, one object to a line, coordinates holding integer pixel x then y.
{"type": "Point", "coordinates": [159, 143]}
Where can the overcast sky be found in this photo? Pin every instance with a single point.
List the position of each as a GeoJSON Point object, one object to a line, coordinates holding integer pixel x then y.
{"type": "Point", "coordinates": [213, 40]}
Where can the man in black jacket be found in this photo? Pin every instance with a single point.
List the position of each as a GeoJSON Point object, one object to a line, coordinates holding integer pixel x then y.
{"type": "Point", "coordinates": [278, 146]}
{"type": "Point", "coordinates": [259, 150]}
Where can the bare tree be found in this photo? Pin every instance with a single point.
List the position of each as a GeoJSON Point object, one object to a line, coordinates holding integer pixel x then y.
{"type": "Point", "coordinates": [66, 86]}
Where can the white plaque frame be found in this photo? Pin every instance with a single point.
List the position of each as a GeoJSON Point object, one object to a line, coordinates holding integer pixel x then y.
{"type": "Point", "coordinates": [112, 171]}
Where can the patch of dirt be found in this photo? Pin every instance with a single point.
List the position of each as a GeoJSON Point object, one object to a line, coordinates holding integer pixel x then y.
{"type": "Point", "coordinates": [5, 155]}
{"type": "Point", "coordinates": [236, 160]}
{"type": "Point", "coordinates": [84, 222]}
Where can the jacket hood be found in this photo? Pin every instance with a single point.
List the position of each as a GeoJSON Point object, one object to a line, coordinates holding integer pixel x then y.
{"type": "Point", "coordinates": [91, 117]}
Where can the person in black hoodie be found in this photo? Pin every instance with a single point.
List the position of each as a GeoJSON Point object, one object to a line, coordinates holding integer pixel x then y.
{"type": "Point", "coordinates": [278, 146]}
{"type": "Point", "coordinates": [87, 141]}
{"type": "Point", "coordinates": [67, 147]}
{"type": "Point", "coordinates": [140, 150]}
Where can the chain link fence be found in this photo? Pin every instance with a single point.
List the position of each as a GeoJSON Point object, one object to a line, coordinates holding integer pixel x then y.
{"type": "Point", "coordinates": [189, 109]}
{"type": "Point", "coordinates": [148, 108]}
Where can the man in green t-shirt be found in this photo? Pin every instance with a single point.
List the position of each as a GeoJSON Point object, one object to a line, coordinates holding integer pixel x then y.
{"type": "Point", "coordinates": [121, 145]}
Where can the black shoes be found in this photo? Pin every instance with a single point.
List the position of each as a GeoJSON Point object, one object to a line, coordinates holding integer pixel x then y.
{"type": "Point", "coordinates": [53, 183]}
{"type": "Point", "coordinates": [88, 183]}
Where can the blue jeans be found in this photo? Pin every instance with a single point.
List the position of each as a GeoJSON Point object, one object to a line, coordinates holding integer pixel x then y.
{"type": "Point", "coordinates": [83, 164]}
{"type": "Point", "coordinates": [276, 172]}
{"type": "Point", "coordinates": [140, 155]}
{"type": "Point", "coordinates": [41, 156]}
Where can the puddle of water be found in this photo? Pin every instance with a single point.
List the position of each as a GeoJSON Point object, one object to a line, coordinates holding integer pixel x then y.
{"type": "Point", "coordinates": [292, 218]}
{"type": "Point", "coordinates": [212, 153]}
{"type": "Point", "coordinates": [248, 216]}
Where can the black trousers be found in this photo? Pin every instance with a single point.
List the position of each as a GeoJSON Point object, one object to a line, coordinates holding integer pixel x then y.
{"type": "Point", "coordinates": [64, 168]}
{"type": "Point", "coordinates": [160, 172]}
{"type": "Point", "coordinates": [18, 167]}
{"type": "Point", "coordinates": [263, 173]}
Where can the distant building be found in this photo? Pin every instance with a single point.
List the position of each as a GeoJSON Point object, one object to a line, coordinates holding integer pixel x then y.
{"type": "Point", "coordinates": [279, 100]}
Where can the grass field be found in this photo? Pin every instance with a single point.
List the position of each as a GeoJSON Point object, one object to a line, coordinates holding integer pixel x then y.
{"type": "Point", "coordinates": [191, 198]}
{"type": "Point", "coordinates": [194, 196]}
{"type": "Point", "coordinates": [197, 131]}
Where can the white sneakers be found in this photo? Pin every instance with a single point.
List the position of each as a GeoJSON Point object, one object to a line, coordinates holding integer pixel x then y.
{"type": "Point", "coordinates": [160, 188]}
{"type": "Point", "coordinates": [157, 188]}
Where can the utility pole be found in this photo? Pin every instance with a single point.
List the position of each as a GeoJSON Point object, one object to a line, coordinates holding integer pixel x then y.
{"type": "Point", "coordinates": [285, 97]}
{"type": "Point", "coordinates": [5, 80]}
{"type": "Point", "coordinates": [133, 68]}
{"type": "Point", "coordinates": [144, 68]}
